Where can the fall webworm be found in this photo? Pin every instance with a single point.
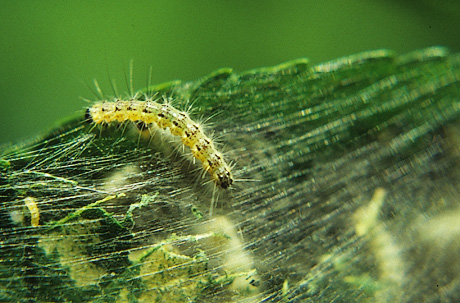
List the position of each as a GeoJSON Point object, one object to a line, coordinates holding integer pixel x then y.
{"type": "Point", "coordinates": [143, 109]}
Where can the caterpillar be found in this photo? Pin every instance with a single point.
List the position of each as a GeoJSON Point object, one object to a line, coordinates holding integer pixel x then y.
{"type": "Point", "coordinates": [166, 116]}
{"type": "Point", "coordinates": [34, 211]}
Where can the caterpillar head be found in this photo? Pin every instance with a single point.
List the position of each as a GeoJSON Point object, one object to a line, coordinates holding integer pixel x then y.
{"type": "Point", "coordinates": [223, 177]}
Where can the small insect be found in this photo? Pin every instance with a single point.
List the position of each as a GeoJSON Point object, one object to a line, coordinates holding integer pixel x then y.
{"type": "Point", "coordinates": [164, 115]}
{"type": "Point", "coordinates": [34, 211]}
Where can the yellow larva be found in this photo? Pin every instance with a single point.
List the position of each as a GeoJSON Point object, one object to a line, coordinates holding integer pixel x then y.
{"type": "Point", "coordinates": [166, 116]}
{"type": "Point", "coordinates": [34, 211]}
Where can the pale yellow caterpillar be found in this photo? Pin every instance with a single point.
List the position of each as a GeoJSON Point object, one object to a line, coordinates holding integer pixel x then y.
{"type": "Point", "coordinates": [34, 211]}
{"type": "Point", "coordinates": [165, 116]}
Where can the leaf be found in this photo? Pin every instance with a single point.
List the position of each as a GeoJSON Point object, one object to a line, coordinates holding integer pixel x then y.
{"type": "Point", "coordinates": [345, 188]}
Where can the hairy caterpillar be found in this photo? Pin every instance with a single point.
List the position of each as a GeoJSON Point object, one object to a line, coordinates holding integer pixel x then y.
{"type": "Point", "coordinates": [165, 116]}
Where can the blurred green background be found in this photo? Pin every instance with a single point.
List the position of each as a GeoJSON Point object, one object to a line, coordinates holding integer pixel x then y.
{"type": "Point", "coordinates": [51, 51]}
